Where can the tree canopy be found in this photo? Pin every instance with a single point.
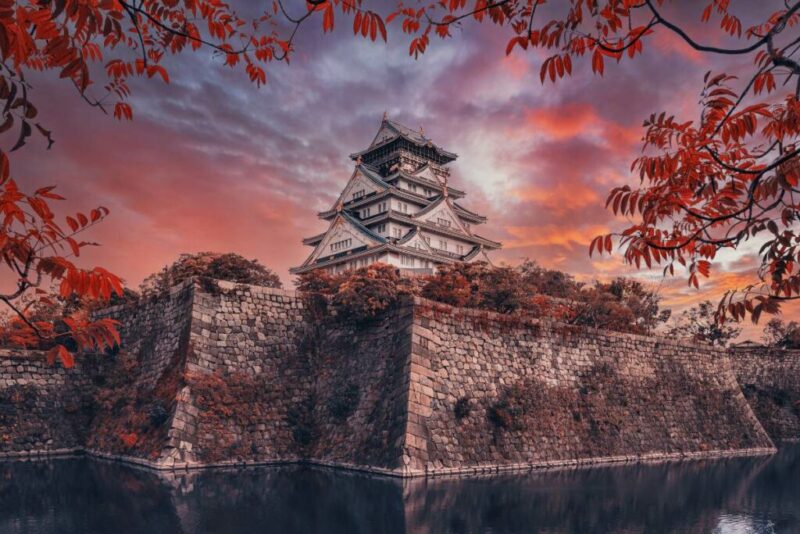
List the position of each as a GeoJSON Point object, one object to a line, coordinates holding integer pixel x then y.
{"type": "Point", "coordinates": [230, 267]}
{"type": "Point", "coordinates": [622, 305]}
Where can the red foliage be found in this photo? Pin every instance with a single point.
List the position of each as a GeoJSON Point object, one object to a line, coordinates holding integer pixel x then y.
{"type": "Point", "coordinates": [129, 440]}
{"type": "Point", "coordinates": [36, 250]}
{"type": "Point", "coordinates": [708, 184]}
{"type": "Point", "coordinates": [358, 296]}
{"type": "Point", "coordinates": [621, 305]}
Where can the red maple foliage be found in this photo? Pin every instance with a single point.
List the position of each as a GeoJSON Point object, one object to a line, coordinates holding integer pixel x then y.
{"type": "Point", "coordinates": [37, 251]}
{"type": "Point", "coordinates": [707, 184]}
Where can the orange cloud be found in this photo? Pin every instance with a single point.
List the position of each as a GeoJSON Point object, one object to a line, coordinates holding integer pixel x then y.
{"type": "Point", "coordinates": [562, 122]}
{"type": "Point", "coordinates": [549, 234]}
{"type": "Point", "coordinates": [553, 198]}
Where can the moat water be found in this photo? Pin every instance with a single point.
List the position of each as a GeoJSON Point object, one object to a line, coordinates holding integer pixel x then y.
{"type": "Point", "coordinates": [80, 495]}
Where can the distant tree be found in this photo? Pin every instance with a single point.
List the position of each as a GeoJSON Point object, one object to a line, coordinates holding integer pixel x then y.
{"type": "Point", "coordinates": [622, 305]}
{"type": "Point", "coordinates": [782, 335]}
{"type": "Point", "coordinates": [699, 323]}
{"type": "Point", "coordinates": [230, 267]}
{"type": "Point", "coordinates": [551, 282]}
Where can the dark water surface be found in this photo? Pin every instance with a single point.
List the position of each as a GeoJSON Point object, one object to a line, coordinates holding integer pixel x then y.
{"type": "Point", "coordinates": [741, 495]}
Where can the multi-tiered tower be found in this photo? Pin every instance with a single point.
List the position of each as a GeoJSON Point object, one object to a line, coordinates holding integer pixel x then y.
{"type": "Point", "coordinates": [398, 208]}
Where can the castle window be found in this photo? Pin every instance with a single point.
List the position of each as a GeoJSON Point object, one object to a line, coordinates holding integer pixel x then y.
{"type": "Point", "coordinates": [365, 212]}
{"type": "Point", "coordinates": [381, 228]}
{"type": "Point", "coordinates": [403, 207]}
{"type": "Point", "coordinates": [407, 261]}
{"type": "Point", "coordinates": [358, 194]}
{"type": "Point", "coordinates": [442, 244]}
{"type": "Point", "coordinates": [412, 187]}
{"type": "Point", "coordinates": [460, 249]}
{"type": "Point", "coordinates": [341, 245]}
{"type": "Point", "coordinates": [398, 232]}
{"type": "Point", "coordinates": [381, 207]}
{"type": "Point", "coordinates": [443, 222]}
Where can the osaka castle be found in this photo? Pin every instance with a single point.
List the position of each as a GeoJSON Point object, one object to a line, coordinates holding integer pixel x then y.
{"type": "Point", "coordinates": [399, 208]}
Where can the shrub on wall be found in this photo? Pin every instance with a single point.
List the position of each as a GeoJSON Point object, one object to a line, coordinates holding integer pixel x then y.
{"type": "Point", "coordinates": [508, 411]}
{"type": "Point", "coordinates": [358, 296]}
{"type": "Point", "coordinates": [462, 408]}
{"type": "Point", "coordinates": [300, 418]}
{"type": "Point", "coordinates": [230, 267]}
{"type": "Point", "coordinates": [128, 419]}
{"type": "Point", "coordinates": [622, 305]}
{"type": "Point", "coordinates": [344, 401]}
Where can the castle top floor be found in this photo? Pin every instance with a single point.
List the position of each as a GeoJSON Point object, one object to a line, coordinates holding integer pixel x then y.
{"type": "Point", "coordinates": [399, 148]}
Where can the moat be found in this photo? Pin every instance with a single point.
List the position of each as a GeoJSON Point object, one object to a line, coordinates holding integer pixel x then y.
{"type": "Point", "coordinates": [735, 495]}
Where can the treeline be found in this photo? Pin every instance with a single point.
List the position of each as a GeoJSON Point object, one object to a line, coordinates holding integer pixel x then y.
{"type": "Point", "coordinates": [622, 304]}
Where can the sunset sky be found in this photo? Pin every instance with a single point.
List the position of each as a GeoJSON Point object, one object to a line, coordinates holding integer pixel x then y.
{"type": "Point", "coordinates": [213, 163]}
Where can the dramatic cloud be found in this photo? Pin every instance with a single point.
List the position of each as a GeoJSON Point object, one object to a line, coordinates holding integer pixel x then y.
{"type": "Point", "coordinates": [212, 163]}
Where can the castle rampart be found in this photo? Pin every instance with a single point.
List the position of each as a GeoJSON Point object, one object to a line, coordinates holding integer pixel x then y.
{"type": "Point", "coordinates": [222, 374]}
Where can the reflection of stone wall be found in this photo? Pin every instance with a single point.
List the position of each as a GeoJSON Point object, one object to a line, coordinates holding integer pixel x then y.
{"type": "Point", "coordinates": [770, 379]}
{"type": "Point", "coordinates": [690, 497]}
{"type": "Point", "coordinates": [219, 373]}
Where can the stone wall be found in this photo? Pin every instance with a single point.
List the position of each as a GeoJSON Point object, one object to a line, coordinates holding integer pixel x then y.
{"type": "Point", "coordinates": [216, 373]}
{"type": "Point", "coordinates": [770, 379]}
{"type": "Point", "coordinates": [489, 390]}
{"type": "Point", "coordinates": [43, 407]}
{"type": "Point", "coordinates": [269, 383]}
{"type": "Point", "coordinates": [136, 388]}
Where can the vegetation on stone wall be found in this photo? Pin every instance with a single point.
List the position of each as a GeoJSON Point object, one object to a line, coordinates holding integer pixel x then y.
{"type": "Point", "coordinates": [698, 323]}
{"type": "Point", "coordinates": [344, 401]}
{"type": "Point", "coordinates": [462, 408]}
{"type": "Point", "coordinates": [129, 419]}
{"type": "Point", "coordinates": [230, 267]}
{"type": "Point", "coordinates": [356, 296]}
{"type": "Point", "coordinates": [780, 334]}
{"type": "Point", "coordinates": [623, 305]}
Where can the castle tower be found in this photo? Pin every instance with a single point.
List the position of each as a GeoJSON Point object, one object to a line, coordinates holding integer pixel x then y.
{"type": "Point", "coordinates": [398, 208]}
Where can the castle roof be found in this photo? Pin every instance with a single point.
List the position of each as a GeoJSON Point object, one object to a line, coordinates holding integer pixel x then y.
{"type": "Point", "coordinates": [391, 131]}
{"type": "Point", "coordinates": [401, 191]}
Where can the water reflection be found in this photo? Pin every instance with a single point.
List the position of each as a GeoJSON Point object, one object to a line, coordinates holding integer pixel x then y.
{"type": "Point", "coordinates": [759, 495]}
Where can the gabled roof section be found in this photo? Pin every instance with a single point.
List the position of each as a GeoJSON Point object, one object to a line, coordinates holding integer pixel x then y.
{"type": "Point", "coordinates": [363, 229]}
{"type": "Point", "coordinates": [427, 173]}
{"type": "Point", "coordinates": [342, 227]}
{"type": "Point", "coordinates": [413, 239]}
{"type": "Point", "coordinates": [365, 178]}
{"type": "Point", "coordinates": [391, 130]}
{"type": "Point", "coordinates": [442, 208]}
{"type": "Point", "coordinates": [467, 214]}
{"type": "Point", "coordinates": [425, 182]}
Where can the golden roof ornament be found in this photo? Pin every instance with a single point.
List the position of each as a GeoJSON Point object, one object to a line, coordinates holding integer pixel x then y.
{"type": "Point", "coordinates": [385, 116]}
{"type": "Point", "coordinates": [339, 206]}
{"type": "Point", "coordinates": [358, 160]}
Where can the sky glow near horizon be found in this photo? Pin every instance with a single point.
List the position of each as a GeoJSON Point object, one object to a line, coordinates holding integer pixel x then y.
{"type": "Point", "coordinates": [210, 162]}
